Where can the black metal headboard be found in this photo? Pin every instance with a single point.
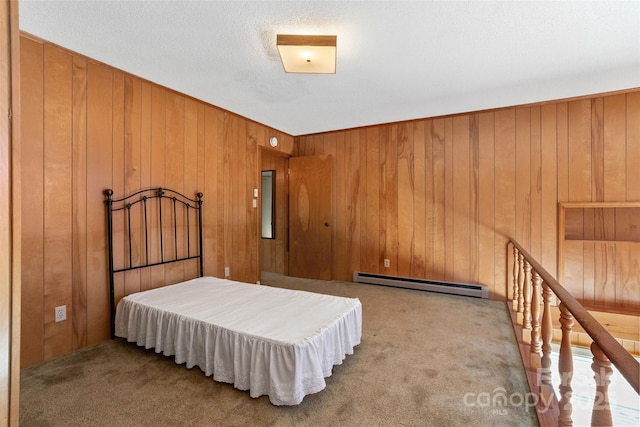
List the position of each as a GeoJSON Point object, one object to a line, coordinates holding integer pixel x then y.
{"type": "Point", "coordinates": [147, 207]}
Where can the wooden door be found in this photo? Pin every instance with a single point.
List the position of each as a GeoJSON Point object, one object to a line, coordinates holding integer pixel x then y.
{"type": "Point", "coordinates": [310, 217]}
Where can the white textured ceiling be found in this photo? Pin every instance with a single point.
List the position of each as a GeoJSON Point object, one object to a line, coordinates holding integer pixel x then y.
{"type": "Point", "coordinates": [397, 60]}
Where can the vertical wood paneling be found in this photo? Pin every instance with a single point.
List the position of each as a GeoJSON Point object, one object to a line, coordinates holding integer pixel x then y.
{"type": "Point", "coordinates": [99, 154]}
{"type": "Point", "coordinates": [614, 149]}
{"type": "Point", "coordinates": [574, 273]}
{"type": "Point", "coordinates": [486, 202]}
{"type": "Point", "coordinates": [353, 196]}
{"type": "Point", "coordinates": [562, 135]}
{"type": "Point", "coordinates": [587, 265]}
{"type": "Point", "coordinates": [628, 265]}
{"type": "Point", "coordinates": [549, 184]}
{"type": "Point", "coordinates": [505, 194]}
{"type": "Point", "coordinates": [223, 232]}
{"type": "Point", "coordinates": [201, 159]}
{"type": "Point", "coordinates": [132, 176]}
{"type": "Point", "coordinates": [474, 207]}
{"type": "Point", "coordinates": [429, 199]}
{"type": "Point", "coordinates": [233, 202]}
{"type": "Point", "coordinates": [58, 157]}
{"type": "Point", "coordinates": [627, 275]}
{"type": "Point", "coordinates": [406, 191]}
{"type": "Point", "coordinates": [420, 253]}
{"type": "Point", "coordinates": [210, 191]}
{"type": "Point", "coordinates": [633, 146]}
{"type": "Point", "coordinates": [251, 222]}
{"type": "Point", "coordinates": [523, 176]}
{"type": "Point", "coordinates": [89, 127]}
{"type": "Point", "coordinates": [579, 150]}
{"type": "Point", "coordinates": [174, 179]}
{"type": "Point", "coordinates": [79, 200]}
{"type": "Point", "coordinates": [389, 197]}
{"type": "Point", "coordinates": [32, 89]}
{"type": "Point", "coordinates": [145, 169]}
{"type": "Point", "coordinates": [597, 150]}
{"type": "Point", "coordinates": [626, 226]}
{"type": "Point", "coordinates": [605, 274]}
{"type": "Point", "coordinates": [364, 205]}
{"type": "Point", "coordinates": [439, 231]}
{"type": "Point", "coordinates": [118, 179]}
{"type": "Point", "coordinates": [562, 129]}
{"type": "Point", "coordinates": [602, 265]}
{"type": "Point", "coordinates": [243, 204]}
{"type": "Point", "coordinates": [449, 213]}
{"type": "Point", "coordinates": [607, 221]}
{"type": "Point", "coordinates": [340, 203]}
{"type": "Point", "coordinates": [536, 185]}
{"type": "Point", "coordinates": [157, 161]}
{"type": "Point", "coordinates": [461, 192]}
{"type": "Point", "coordinates": [439, 197]}
{"type": "Point", "coordinates": [190, 181]}
{"type": "Point", "coordinates": [372, 241]}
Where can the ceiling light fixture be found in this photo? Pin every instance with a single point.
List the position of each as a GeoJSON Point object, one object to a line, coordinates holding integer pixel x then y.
{"type": "Point", "coordinates": [307, 54]}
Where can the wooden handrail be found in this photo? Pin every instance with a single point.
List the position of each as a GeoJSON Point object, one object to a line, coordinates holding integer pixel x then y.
{"type": "Point", "coordinates": [626, 364]}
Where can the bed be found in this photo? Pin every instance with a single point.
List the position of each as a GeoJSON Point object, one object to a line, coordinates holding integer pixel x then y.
{"type": "Point", "coordinates": [269, 341]}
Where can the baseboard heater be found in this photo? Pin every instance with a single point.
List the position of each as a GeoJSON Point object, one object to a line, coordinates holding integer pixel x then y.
{"type": "Point", "coordinates": [476, 291]}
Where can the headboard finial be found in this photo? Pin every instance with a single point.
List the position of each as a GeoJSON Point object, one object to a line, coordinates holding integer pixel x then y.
{"type": "Point", "coordinates": [108, 192]}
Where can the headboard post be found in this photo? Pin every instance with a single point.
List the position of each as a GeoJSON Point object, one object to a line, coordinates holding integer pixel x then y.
{"type": "Point", "coordinates": [109, 201]}
{"type": "Point", "coordinates": [200, 232]}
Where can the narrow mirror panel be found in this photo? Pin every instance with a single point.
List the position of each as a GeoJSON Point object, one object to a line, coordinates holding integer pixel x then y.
{"type": "Point", "coordinates": [268, 204]}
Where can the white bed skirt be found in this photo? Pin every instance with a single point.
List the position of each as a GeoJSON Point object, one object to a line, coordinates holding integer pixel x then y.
{"type": "Point", "coordinates": [270, 341]}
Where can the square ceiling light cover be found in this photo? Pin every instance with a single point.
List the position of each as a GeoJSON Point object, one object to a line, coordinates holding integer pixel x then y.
{"type": "Point", "coordinates": [307, 54]}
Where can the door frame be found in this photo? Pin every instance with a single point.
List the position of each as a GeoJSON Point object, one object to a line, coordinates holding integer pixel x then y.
{"type": "Point", "coordinates": [262, 152]}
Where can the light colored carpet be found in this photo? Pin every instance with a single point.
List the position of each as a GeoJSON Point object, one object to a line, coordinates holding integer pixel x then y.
{"type": "Point", "coordinates": [425, 359]}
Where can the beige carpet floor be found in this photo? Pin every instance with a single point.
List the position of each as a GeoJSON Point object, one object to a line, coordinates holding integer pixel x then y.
{"type": "Point", "coordinates": [426, 359]}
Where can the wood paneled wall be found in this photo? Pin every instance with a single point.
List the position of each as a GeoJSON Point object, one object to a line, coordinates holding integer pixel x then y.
{"type": "Point", "coordinates": [440, 197]}
{"type": "Point", "coordinates": [87, 127]}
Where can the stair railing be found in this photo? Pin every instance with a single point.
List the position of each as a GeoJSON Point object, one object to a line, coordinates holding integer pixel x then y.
{"type": "Point", "coordinates": [532, 298]}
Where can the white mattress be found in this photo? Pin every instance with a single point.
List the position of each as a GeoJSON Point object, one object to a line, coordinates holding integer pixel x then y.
{"type": "Point", "coordinates": [270, 341]}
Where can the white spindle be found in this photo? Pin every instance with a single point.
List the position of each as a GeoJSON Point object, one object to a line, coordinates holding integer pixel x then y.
{"type": "Point", "coordinates": [565, 367]}
{"type": "Point", "coordinates": [601, 413]}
